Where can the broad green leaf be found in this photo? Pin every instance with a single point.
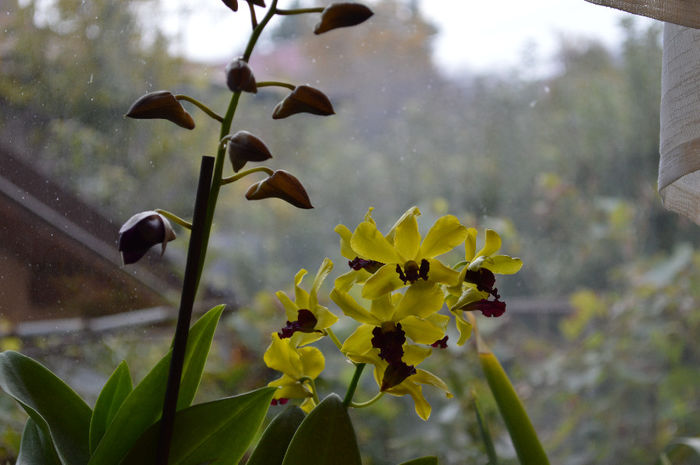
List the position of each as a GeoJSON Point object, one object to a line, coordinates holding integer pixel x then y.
{"type": "Point", "coordinates": [422, 461]}
{"type": "Point", "coordinates": [484, 430]}
{"type": "Point", "coordinates": [680, 449]}
{"type": "Point", "coordinates": [275, 440]}
{"type": "Point", "coordinates": [527, 444]}
{"type": "Point", "coordinates": [51, 403]}
{"type": "Point", "coordinates": [213, 433]}
{"type": "Point", "coordinates": [36, 447]}
{"type": "Point", "coordinates": [143, 406]}
{"type": "Point", "coordinates": [325, 437]}
{"type": "Point", "coordinates": [113, 394]}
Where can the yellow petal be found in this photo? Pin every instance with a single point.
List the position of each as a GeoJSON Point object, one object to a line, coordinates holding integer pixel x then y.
{"type": "Point", "coordinates": [502, 264]}
{"type": "Point", "coordinates": [324, 317]}
{"type": "Point", "coordinates": [368, 215]}
{"type": "Point", "coordinates": [421, 331]}
{"type": "Point", "coordinates": [426, 377]}
{"type": "Point", "coordinates": [407, 239]}
{"type": "Point", "coordinates": [351, 308]}
{"type": "Point", "coordinates": [411, 212]}
{"type": "Point", "coordinates": [321, 274]}
{"type": "Point", "coordinates": [345, 281]}
{"type": "Point", "coordinates": [359, 342]}
{"type": "Point", "coordinates": [300, 339]}
{"type": "Point", "coordinates": [370, 244]}
{"type": "Point", "coordinates": [345, 235]}
{"type": "Point", "coordinates": [422, 298]}
{"type": "Point", "coordinates": [312, 361]}
{"type": "Point", "coordinates": [446, 234]}
{"type": "Point", "coordinates": [384, 281]}
{"type": "Point", "coordinates": [308, 405]}
{"type": "Point", "coordinates": [416, 392]}
{"type": "Point", "coordinates": [290, 308]}
{"type": "Point", "coordinates": [282, 356]}
{"type": "Point", "coordinates": [383, 308]}
{"type": "Point", "coordinates": [442, 274]}
{"type": "Point", "coordinates": [301, 297]}
{"type": "Point", "coordinates": [491, 245]}
{"type": "Point", "coordinates": [463, 326]}
{"type": "Point", "coordinates": [470, 245]}
{"type": "Point", "coordinates": [469, 295]}
{"type": "Point", "coordinates": [414, 355]}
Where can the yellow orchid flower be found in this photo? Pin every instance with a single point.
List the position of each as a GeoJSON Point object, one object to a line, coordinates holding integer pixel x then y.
{"type": "Point", "coordinates": [478, 280]}
{"type": "Point", "coordinates": [306, 318]}
{"type": "Point", "coordinates": [299, 367]}
{"type": "Point", "coordinates": [404, 257]}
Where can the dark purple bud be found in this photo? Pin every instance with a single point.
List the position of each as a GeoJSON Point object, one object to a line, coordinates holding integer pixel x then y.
{"type": "Point", "coordinates": [161, 105]}
{"type": "Point", "coordinates": [304, 99]}
{"type": "Point", "coordinates": [239, 77]}
{"type": "Point", "coordinates": [244, 147]}
{"type": "Point", "coordinates": [283, 186]}
{"type": "Point", "coordinates": [342, 15]}
{"type": "Point", "coordinates": [141, 232]}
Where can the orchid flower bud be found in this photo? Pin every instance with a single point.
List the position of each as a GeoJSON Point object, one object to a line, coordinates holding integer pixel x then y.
{"type": "Point", "coordinates": [304, 99]}
{"type": "Point", "coordinates": [283, 186]}
{"type": "Point", "coordinates": [239, 77]}
{"type": "Point", "coordinates": [244, 147]}
{"type": "Point", "coordinates": [342, 15]}
{"type": "Point", "coordinates": [141, 232]}
{"type": "Point", "coordinates": [161, 105]}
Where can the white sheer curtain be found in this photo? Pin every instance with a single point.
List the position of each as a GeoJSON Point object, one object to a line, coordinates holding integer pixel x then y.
{"type": "Point", "coordinates": [679, 165]}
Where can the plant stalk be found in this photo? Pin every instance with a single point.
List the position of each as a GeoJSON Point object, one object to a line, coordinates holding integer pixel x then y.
{"type": "Point", "coordinates": [189, 291]}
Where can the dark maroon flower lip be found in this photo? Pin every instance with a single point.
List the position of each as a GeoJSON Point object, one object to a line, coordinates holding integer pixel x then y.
{"type": "Point", "coordinates": [358, 264]}
{"type": "Point", "coordinates": [305, 323]}
{"type": "Point", "coordinates": [489, 308]}
{"type": "Point", "coordinates": [440, 343]}
{"type": "Point", "coordinates": [412, 272]}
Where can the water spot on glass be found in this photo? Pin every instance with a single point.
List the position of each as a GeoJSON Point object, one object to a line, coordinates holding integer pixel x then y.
{"type": "Point", "coordinates": [533, 104]}
{"type": "Point", "coordinates": [546, 89]}
{"type": "Point", "coordinates": [313, 60]}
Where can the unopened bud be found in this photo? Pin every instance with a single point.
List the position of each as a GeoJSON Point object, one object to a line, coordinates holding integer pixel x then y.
{"type": "Point", "coordinates": [239, 77]}
{"type": "Point", "coordinates": [281, 185]}
{"type": "Point", "coordinates": [342, 15]}
{"type": "Point", "coordinates": [304, 99]}
{"type": "Point", "coordinates": [141, 232]}
{"type": "Point", "coordinates": [244, 147]}
{"type": "Point", "coordinates": [162, 105]}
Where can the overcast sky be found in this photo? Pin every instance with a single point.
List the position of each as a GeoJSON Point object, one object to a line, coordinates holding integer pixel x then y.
{"type": "Point", "coordinates": [476, 35]}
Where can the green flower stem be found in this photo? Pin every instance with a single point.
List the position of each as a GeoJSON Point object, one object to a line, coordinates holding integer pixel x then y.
{"type": "Point", "coordinates": [175, 219]}
{"type": "Point", "coordinates": [276, 84]}
{"type": "Point", "coordinates": [253, 17]}
{"type": "Point", "coordinates": [201, 106]}
{"type": "Point", "coordinates": [353, 384]}
{"type": "Point", "coordinates": [379, 395]}
{"type": "Point", "coordinates": [334, 338]}
{"type": "Point", "coordinates": [225, 129]}
{"type": "Point", "coordinates": [312, 385]}
{"type": "Point", "coordinates": [243, 174]}
{"type": "Point", "coordinates": [258, 30]}
{"type": "Point", "coordinates": [299, 11]}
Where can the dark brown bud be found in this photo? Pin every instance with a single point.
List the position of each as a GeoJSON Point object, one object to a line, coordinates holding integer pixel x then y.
{"type": "Point", "coordinates": [162, 105]}
{"type": "Point", "coordinates": [304, 99]}
{"type": "Point", "coordinates": [233, 4]}
{"type": "Point", "coordinates": [342, 15]}
{"type": "Point", "coordinates": [239, 77]}
{"type": "Point", "coordinates": [283, 186]}
{"type": "Point", "coordinates": [244, 147]}
{"type": "Point", "coordinates": [141, 232]}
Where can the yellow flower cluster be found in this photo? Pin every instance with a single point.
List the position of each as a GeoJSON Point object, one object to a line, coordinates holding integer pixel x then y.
{"type": "Point", "coordinates": [402, 288]}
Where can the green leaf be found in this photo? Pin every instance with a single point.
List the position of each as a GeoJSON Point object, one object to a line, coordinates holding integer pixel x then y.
{"type": "Point", "coordinates": [113, 394]}
{"type": "Point", "coordinates": [51, 403]}
{"type": "Point", "coordinates": [144, 405]}
{"type": "Point", "coordinates": [36, 447]}
{"type": "Point", "coordinates": [422, 461]}
{"type": "Point", "coordinates": [217, 432]}
{"type": "Point", "coordinates": [680, 449]}
{"type": "Point", "coordinates": [275, 440]}
{"type": "Point", "coordinates": [484, 430]}
{"type": "Point", "coordinates": [522, 433]}
{"type": "Point", "coordinates": [325, 437]}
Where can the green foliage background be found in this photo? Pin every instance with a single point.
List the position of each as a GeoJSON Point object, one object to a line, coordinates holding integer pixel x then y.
{"type": "Point", "coordinates": [564, 165]}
